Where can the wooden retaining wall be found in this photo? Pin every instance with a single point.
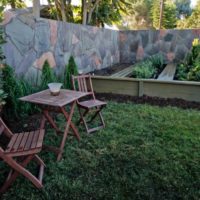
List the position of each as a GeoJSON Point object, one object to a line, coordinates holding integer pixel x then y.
{"type": "Point", "coordinates": [186, 90]}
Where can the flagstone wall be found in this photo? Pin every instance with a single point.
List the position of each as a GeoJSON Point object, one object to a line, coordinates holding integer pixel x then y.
{"type": "Point", "coordinates": [32, 41]}
{"type": "Point", "coordinates": [172, 44]}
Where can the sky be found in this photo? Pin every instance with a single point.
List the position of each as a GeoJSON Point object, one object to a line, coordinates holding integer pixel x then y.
{"type": "Point", "coordinates": [193, 3]}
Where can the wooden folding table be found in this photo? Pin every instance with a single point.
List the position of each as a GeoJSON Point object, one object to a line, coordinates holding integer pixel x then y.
{"type": "Point", "coordinates": [49, 103]}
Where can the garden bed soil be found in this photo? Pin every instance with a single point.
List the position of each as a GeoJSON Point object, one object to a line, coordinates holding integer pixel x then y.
{"type": "Point", "coordinates": [111, 70]}
{"type": "Point", "coordinates": [32, 122]}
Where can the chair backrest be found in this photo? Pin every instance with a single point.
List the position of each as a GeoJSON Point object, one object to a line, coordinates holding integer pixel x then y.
{"type": "Point", "coordinates": [83, 83]}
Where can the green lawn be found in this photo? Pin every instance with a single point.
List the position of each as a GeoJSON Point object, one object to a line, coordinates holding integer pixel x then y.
{"type": "Point", "coordinates": [145, 152]}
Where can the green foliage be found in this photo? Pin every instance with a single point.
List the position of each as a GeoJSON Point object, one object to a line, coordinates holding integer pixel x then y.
{"type": "Point", "coordinates": [15, 88]}
{"type": "Point", "coordinates": [157, 62]}
{"type": "Point", "coordinates": [181, 72]}
{"type": "Point", "coordinates": [70, 69]}
{"type": "Point", "coordinates": [183, 8]}
{"type": "Point", "coordinates": [153, 156]}
{"type": "Point", "coordinates": [149, 68]}
{"type": "Point", "coordinates": [190, 69]}
{"type": "Point", "coordinates": [193, 21]}
{"type": "Point", "coordinates": [144, 70]}
{"type": "Point", "coordinates": [169, 14]}
{"type": "Point", "coordinates": [47, 75]}
{"type": "Point", "coordinates": [12, 88]}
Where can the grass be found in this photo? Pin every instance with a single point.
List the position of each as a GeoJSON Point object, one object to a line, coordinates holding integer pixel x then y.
{"type": "Point", "coordinates": [145, 152]}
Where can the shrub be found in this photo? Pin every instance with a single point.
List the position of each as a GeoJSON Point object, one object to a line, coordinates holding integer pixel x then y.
{"type": "Point", "coordinates": [47, 76]}
{"type": "Point", "coordinates": [157, 62]}
{"type": "Point", "coordinates": [71, 69]}
{"type": "Point", "coordinates": [144, 70]}
{"type": "Point", "coordinates": [181, 72]}
{"type": "Point", "coordinates": [15, 88]}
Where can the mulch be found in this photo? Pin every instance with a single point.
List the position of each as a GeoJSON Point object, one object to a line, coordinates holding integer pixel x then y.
{"type": "Point", "coordinates": [162, 102]}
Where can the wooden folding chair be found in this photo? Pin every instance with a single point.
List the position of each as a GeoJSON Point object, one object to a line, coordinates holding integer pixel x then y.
{"type": "Point", "coordinates": [21, 149]}
{"type": "Point", "coordinates": [83, 83]}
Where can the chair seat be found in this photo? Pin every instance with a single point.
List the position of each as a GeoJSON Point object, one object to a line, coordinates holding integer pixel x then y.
{"type": "Point", "coordinates": [25, 143]}
{"type": "Point", "coordinates": [91, 103]}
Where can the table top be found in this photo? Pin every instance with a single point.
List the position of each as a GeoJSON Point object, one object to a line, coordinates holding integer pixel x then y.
{"type": "Point", "coordinates": [45, 98]}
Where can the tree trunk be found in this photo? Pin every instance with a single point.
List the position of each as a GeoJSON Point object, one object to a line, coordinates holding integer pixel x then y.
{"type": "Point", "coordinates": [12, 4]}
{"type": "Point", "coordinates": [84, 12]}
{"type": "Point", "coordinates": [58, 10]}
{"type": "Point", "coordinates": [63, 13]}
{"type": "Point", "coordinates": [92, 10]}
{"type": "Point", "coordinates": [36, 8]}
{"type": "Point", "coordinates": [161, 13]}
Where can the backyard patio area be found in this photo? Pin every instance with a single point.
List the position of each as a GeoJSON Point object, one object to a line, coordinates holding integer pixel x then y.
{"type": "Point", "coordinates": [145, 152]}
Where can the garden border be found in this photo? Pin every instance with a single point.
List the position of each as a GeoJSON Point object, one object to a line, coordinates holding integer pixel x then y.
{"type": "Point", "coordinates": [187, 90]}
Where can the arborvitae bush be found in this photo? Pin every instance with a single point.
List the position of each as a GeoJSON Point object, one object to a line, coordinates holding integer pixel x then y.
{"type": "Point", "coordinates": [47, 76]}
{"type": "Point", "coordinates": [15, 88]}
{"type": "Point", "coordinates": [70, 69]}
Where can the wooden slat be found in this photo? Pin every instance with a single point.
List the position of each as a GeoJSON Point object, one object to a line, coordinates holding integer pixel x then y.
{"type": "Point", "coordinates": [40, 138]}
{"type": "Point", "coordinates": [29, 141]}
{"type": "Point", "coordinates": [11, 143]}
{"type": "Point", "coordinates": [23, 142]}
{"type": "Point", "coordinates": [17, 142]}
{"type": "Point", "coordinates": [1, 129]}
{"type": "Point", "coordinates": [35, 139]}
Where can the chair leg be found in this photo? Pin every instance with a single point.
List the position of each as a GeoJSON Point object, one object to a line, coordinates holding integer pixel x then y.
{"type": "Point", "coordinates": [81, 115]}
{"type": "Point", "coordinates": [20, 169]}
{"type": "Point", "coordinates": [98, 113]}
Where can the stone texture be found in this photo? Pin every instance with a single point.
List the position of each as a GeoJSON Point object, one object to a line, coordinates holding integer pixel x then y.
{"type": "Point", "coordinates": [8, 15]}
{"type": "Point", "coordinates": [13, 58]}
{"type": "Point", "coordinates": [26, 63]}
{"type": "Point", "coordinates": [21, 35]}
{"type": "Point", "coordinates": [42, 37]}
{"type": "Point", "coordinates": [30, 42]}
{"type": "Point", "coordinates": [48, 56]}
{"type": "Point", "coordinates": [33, 75]}
{"type": "Point", "coordinates": [53, 32]}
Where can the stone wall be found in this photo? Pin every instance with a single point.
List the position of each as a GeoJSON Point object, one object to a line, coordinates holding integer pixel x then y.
{"type": "Point", "coordinates": [30, 42]}
{"type": "Point", "coordinates": [173, 44]}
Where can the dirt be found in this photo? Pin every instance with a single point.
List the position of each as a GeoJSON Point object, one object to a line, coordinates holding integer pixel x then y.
{"type": "Point", "coordinates": [111, 70]}
{"type": "Point", "coordinates": [180, 103]}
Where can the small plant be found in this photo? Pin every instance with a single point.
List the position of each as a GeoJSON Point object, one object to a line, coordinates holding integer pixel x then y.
{"type": "Point", "coordinates": [47, 76]}
{"type": "Point", "coordinates": [144, 70]}
{"type": "Point", "coordinates": [71, 69]}
{"type": "Point", "coordinates": [157, 62]}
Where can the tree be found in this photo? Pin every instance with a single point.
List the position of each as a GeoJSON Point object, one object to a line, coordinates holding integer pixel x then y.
{"type": "Point", "coordinates": [109, 11]}
{"type": "Point", "coordinates": [139, 16]}
{"type": "Point", "coordinates": [168, 17]}
{"type": "Point", "coordinates": [14, 3]}
{"type": "Point", "coordinates": [183, 8]}
{"type": "Point", "coordinates": [192, 21]}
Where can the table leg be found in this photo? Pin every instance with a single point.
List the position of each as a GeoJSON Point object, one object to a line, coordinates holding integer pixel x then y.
{"type": "Point", "coordinates": [66, 115]}
{"type": "Point", "coordinates": [43, 121]}
{"type": "Point", "coordinates": [49, 118]}
{"type": "Point", "coordinates": [66, 130]}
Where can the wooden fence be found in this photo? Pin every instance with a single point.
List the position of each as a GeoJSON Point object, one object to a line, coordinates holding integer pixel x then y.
{"type": "Point", "coordinates": [187, 90]}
